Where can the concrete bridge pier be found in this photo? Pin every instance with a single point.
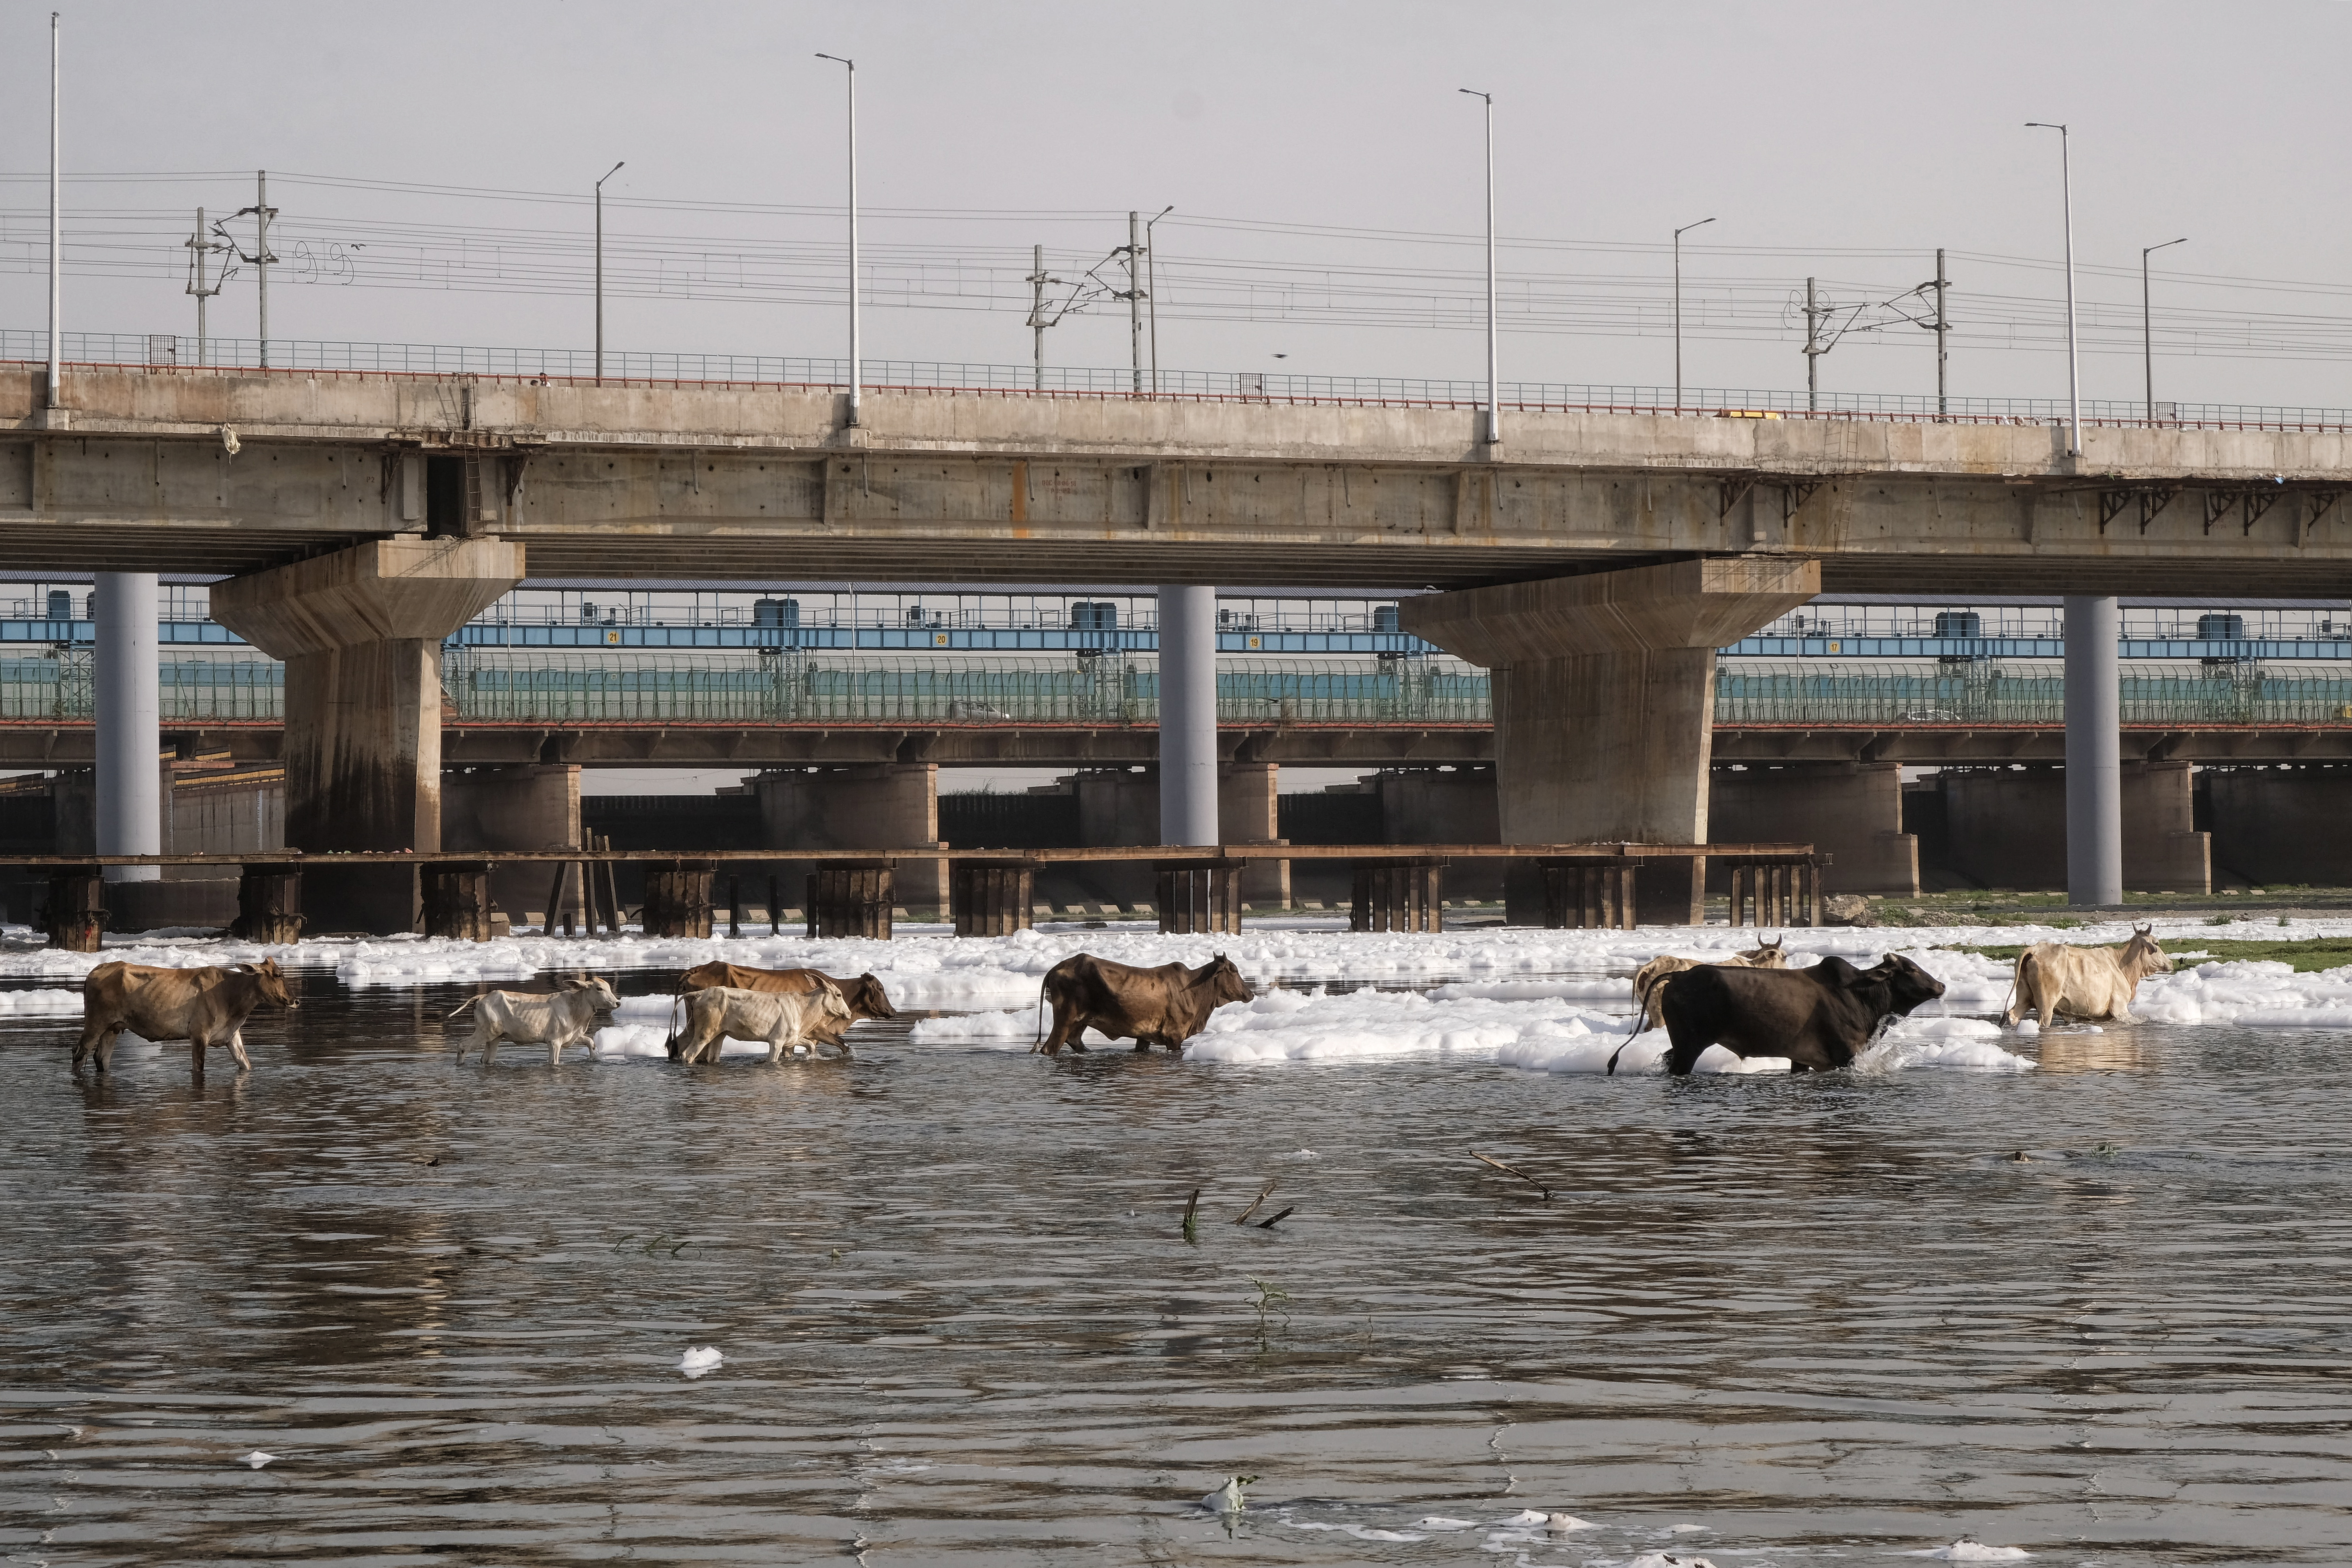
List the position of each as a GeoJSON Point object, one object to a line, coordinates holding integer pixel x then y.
{"type": "Point", "coordinates": [129, 816]}
{"type": "Point", "coordinates": [360, 632]}
{"type": "Point", "coordinates": [1188, 715]}
{"type": "Point", "coordinates": [878, 806]}
{"type": "Point", "coordinates": [2095, 791]}
{"type": "Point", "coordinates": [1604, 698]}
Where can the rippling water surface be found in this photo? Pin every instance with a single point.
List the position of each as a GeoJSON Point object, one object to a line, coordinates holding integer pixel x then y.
{"type": "Point", "coordinates": [1824, 1319]}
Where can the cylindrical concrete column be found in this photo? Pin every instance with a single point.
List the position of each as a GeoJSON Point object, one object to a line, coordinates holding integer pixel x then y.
{"type": "Point", "coordinates": [1188, 715]}
{"type": "Point", "coordinates": [2094, 790]}
{"type": "Point", "coordinates": [129, 782]}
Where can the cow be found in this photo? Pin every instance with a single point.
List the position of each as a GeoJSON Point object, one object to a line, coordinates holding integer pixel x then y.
{"type": "Point", "coordinates": [1164, 1005]}
{"type": "Point", "coordinates": [1819, 1019]}
{"type": "Point", "coordinates": [1649, 980]}
{"type": "Point", "coordinates": [205, 1006]}
{"type": "Point", "coordinates": [567, 1017]}
{"type": "Point", "coordinates": [783, 1018]}
{"type": "Point", "coordinates": [2094, 983]}
{"type": "Point", "coordinates": [864, 996]}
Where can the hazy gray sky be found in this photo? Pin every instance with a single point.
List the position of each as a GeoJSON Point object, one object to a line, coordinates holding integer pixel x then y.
{"type": "Point", "coordinates": [1845, 141]}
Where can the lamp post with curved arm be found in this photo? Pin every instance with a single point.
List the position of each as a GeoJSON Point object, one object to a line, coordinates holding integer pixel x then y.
{"type": "Point", "coordinates": [856, 364]}
{"type": "Point", "coordinates": [1678, 306]}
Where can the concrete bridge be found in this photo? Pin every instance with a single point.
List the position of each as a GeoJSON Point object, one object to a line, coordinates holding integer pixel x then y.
{"type": "Point", "coordinates": [1594, 559]}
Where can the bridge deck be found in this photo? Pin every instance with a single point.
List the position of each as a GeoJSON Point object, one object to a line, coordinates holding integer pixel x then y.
{"type": "Point", "coordinates": [751, 483]}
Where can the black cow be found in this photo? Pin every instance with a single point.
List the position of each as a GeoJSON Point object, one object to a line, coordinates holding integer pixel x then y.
{"type": "Point", "coordinates": [1819, 1018]}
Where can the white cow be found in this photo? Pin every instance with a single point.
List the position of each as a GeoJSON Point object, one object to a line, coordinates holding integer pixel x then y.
{"type": "Point", "coordinates": [567, 1017]}
{"type": "Point", "coordinates": [2094, 983]}
{"type": "Point", "coordinates": [782, 1018]}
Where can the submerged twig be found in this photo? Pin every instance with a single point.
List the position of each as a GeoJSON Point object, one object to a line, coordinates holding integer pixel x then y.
{"type": "Point", "coordinates": [1253, 1204]}
{"type": "Point", "coordinates": [1191, 1210]}
{"type": "Point", "coordinates": [1270, 1224]}
{"type": "Point", "coordinates": [1509, 1171]}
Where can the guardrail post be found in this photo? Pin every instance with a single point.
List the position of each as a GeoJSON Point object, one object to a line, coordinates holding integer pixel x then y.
{"type": "Point", "coordinates": [269, 905]}
{"type": "Point", "coordinates": [1398, 895]}
{"type": "Point", "coordinates": [456, 899]}
{"type": "Point", "coordinates": [678, 899]}
{"type": "Point", "coordinates": [851, 901]}
{"type": "Point", "coordinates": [75, 916]}
{"type": "Point", "coordinates": [991, 897]}
{"type": "Point", "coordinates": [1199, 896]}
{"type": "Point", "coordinates": [1589, 892]}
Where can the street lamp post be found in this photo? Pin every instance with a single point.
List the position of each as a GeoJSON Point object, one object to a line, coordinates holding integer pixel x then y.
{"type": "Point", "coordinates": [2073, 346]}
{"type": "Point", "coordinates": [856, 364]}
{"type": "Point", "coordinates": [56, 398]}
{"type": "Point", "coordinates": [1494, 354]}
{"type": "Point", "coordinates": [1678, 306]}
{"type": "Point", "coordinates": [2146, 327]}
{"type": "Point", "coordinates": [600, 271]}
{"type": "Point", "coordinates": [1152, 291]}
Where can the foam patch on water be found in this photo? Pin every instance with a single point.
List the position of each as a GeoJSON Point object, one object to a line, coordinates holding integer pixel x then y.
{"type": "Point", "coordinates": [1924, 1041]}
{"type": "Point", "coordinates": [39, 1003]}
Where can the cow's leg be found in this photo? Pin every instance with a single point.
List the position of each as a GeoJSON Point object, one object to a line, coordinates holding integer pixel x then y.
{"type": "Point", "coordinates": [1062, 1032]}
{"type": "Point", "coordinates": [236, 1049]}
{"type": "Point", "coordinates": [91, 1032]}
{"type": "Point", "coordinates": [1685, 1048]}
{"type": "Point", "coordinates": [105, 1047]}
{"type": "Point", "coordinates": [197, 1054]}
{"type": "Point", "coordinates": [778, 1044]}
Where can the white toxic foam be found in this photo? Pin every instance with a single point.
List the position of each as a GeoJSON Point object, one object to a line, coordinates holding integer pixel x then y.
{"type": "Point", "coordinates": [701, 1363]}
{"type": "Point", "coordinates": [1967, 1551]}
{"type": "Point", "coordinates": [39, 1003]}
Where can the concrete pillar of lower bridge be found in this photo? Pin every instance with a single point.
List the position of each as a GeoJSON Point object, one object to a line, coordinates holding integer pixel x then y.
{"type": "Point", "coordinates": [1604, 698]}
{"type": "Point", "coordinates": [1852, 812]}
{"type": "Point", "coordinates": [1188, 715]}
{"type": "Point", "coordinates": [2008, 827]}
{"type": "Point", "coordinates": [532, 806]}
{"type": "Point", "coordinates": [125, 681]}
{"type": "Point", "coordinates": [360, 632]}
{"type": "Point", "coordinates": [879, 806]}
{"type": "Point", "coordinates": [2094, 807]}
{"type": "Point", "coordinates": [2283, 826]}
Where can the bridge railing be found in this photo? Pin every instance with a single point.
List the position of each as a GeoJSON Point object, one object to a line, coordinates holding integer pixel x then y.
{"type": "Point", "coordinates": [170, 352]}
{"type": "Point", "coordinates": [588, 689]}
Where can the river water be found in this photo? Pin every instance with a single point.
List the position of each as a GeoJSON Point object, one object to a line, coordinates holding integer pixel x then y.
{"type": "Point", "coordinates": [1817, 1319]}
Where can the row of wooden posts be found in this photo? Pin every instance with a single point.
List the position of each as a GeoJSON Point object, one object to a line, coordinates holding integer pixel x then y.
{"type": "Point", "coordinates": [986, 898]}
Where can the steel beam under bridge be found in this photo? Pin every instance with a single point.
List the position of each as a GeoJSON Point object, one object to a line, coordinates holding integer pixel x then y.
{"type": "Point", "coordinates": [234, 472]}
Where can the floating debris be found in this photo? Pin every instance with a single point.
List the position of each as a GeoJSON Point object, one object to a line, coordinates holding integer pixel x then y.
{"type": "Point", "coordinates": [1227, 1498]}
{"type": "Point", "coordinates": [1968, 1549]}
{"type": "Point", "coordinates": [257, 1458]}
{"type": "Point", "coordinates": [697, 1363]}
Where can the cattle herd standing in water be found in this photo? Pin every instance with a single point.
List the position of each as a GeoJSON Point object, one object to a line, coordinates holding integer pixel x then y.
{"type": "Point", "coordinates": [1818, 1018]}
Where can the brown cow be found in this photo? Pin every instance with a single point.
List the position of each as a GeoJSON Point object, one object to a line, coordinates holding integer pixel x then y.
{"type": "Point", "coordinates": [202, 1006]}
{"type": "Point", "coordinates": [1163, 1006]}
{"type": "Point", "coordinates": [864, 996]}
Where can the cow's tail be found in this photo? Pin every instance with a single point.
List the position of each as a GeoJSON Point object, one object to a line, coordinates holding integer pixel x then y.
{"type": "Point", "coordinates": [463, 1005]}
{"type": "Point", "coordinates": [1038, 1037]}
{"type": "Point", "coordinates": [1615, 1053]}
{"type": "Point", "coordinates": [671, 1044]}
{"type": "Point", "coordinates": [2016, 986]}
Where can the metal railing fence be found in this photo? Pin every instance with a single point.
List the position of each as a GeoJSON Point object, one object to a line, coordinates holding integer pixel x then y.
{"type": "Point", "coordinates": [590, 688]}
{"type": "Point", "coordinates": [164, 350]}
